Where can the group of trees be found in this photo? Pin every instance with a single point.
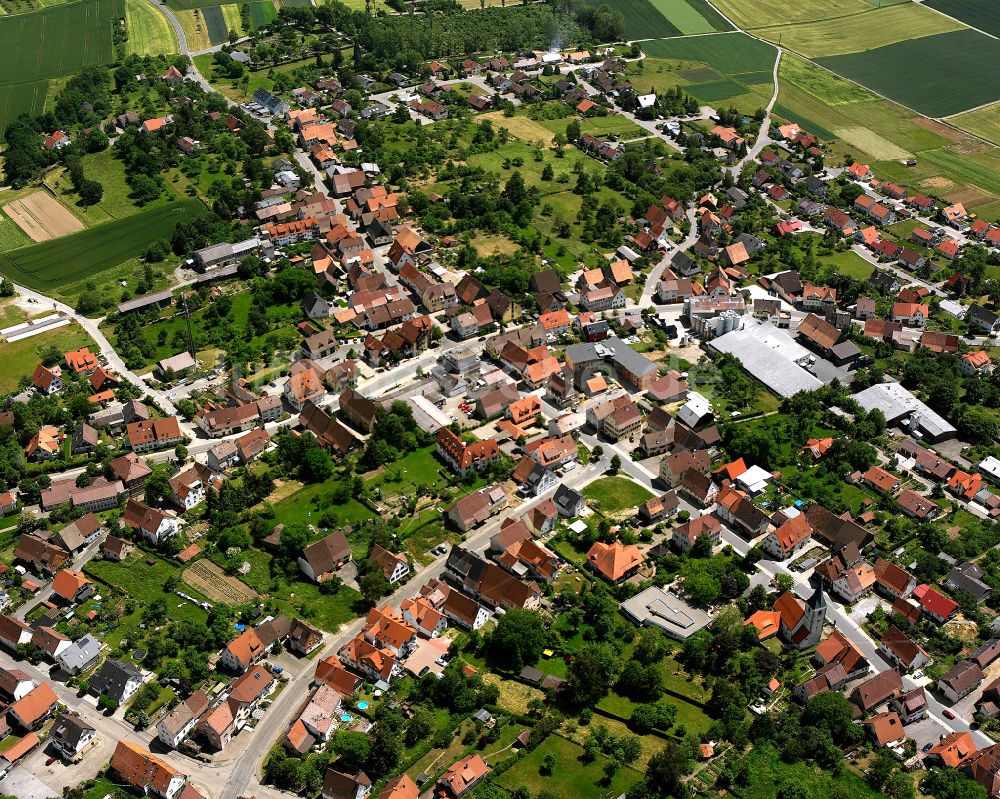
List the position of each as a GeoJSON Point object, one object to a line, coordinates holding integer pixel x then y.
{"type": "Point", "coordinates": [394, 435]}
{"type": "Point", "coordinates": [84, 100]}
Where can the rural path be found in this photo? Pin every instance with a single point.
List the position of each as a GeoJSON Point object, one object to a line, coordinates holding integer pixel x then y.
{"type": "Point", "coordinates": [764, 136]}
{"type": "Point", "coordinates": [92, 327]}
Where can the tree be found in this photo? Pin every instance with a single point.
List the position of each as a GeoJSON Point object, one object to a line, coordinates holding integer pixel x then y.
{"type": "Point", "coordinates": [667, 769]}
{"type": "Point", "coordinates": [107, 703]}
{"type": "Point", "coordinates": [383, 754]}
{"type": "Point", "coordinates": [517, 641]}
{"type": "Point", "coordinates": [6, 288]}
{"type": "Point", "coordinates": [352, 749]}
{"type": "Point", "coordinates": [91, 191]}
{"type": "Point", "coordinates": [833, 712]}
{"type": "Point", "coordinates": [591, 675]}
{"type": "Point", "coordinates": [293, 539]}
{"type": "Point", "coordinates": [316, 466]}
{"type": "Point", "coordinates": [615, 465]}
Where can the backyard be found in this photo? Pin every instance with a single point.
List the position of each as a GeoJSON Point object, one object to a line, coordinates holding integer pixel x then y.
{"type": "Point", "coordinates": [613, 494]}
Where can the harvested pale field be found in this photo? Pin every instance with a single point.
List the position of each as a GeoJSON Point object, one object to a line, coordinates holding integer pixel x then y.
{"type": "Point", "coordinates": [42, 217]}
{"type": "Point", "coordinates": [490, 245]}
{"type": "Point", "coordinates": [218, 586]}
{"type": "Point", "coordinates": [870, 142]}
{"type": "Point", "coordinates": [514, 696]}
{"type": "Point", "coordinates": [521, 127]}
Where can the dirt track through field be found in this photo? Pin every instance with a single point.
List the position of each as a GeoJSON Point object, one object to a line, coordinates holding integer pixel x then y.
{"type": "Point", "coordinates": [42, 217]}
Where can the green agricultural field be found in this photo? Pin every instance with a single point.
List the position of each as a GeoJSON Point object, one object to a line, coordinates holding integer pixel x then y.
{"type": "Point", "coordinates": [710, 13]}
{"type": "Point", "coordinates": [729, 53]}
{"type": "Point", "coordinates": [643, 20]}
{"type": "Point", "coordinates": [747, 14]}
{"type": "Point", "coordinates": [21, 98]}
{"type": "Point", "coordinates": [982, 14]}
{"type": "Point", "coordinates": [149, 31]}
{"type": "Point", "coordinates": [50, 43]}
{"type": "Point", "coordinates": [910, 73]}
{"type": "Point", "coordinates": [983, 122]}
{"type": "Point", "coordinates": [613, 494]}
{"type": "Point", "coordinates": [827, 88]}
{"type": "Point", "coordinates": [52, 264]}
{"type": "Point", "coordinates": [11, 235]}
{"type": "Point", "coordinates": [683, 16]}
{"type": "Point", "coordinates": [215, 23]}
{"type": "Point", "coordinates": [715, 91]}
{"type": "Point", "coordinates": [881, 133]}
{"type": "Point", "coordinates": [262, 13]}
{"type": "Point", "coordinates": [860, 32]}
{"type": "Point", "coordinates": [21, 357]}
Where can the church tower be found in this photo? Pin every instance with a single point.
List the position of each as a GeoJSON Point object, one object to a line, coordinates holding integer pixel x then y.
{"type": "Point", "coordinates": [814, 618]}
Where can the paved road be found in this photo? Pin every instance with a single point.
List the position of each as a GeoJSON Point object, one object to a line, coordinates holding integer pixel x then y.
{"type": "Point", "coordinates": [653, 279]}
{"type": "Point", "coordinates": [185, 50]}
{"type": "Point", "coordinates": [244, 773]}
{"type": "Point", "coordinates": [104, 346]}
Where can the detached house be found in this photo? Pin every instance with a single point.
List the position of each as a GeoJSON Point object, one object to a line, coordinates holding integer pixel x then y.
{"type": "Point", "coordinates": [145, 772]}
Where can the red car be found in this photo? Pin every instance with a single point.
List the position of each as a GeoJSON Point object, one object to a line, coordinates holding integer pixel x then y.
{"type": "Point", "coordinates": [948, 714]}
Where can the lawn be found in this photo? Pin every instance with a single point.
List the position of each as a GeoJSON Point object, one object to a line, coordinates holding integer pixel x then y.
{"type": "Point", "coordinates": [613, 494]}
{"type": "Point", "coordinates": [613, 125]}
{"type": "Point", "coordinates": [301, 506]}
{"type": "Point", "coordinates": [860, 32]}
{"type": "Point", "coordinates": [55, 263]}
{"type": "Point", "coordinates": [50, 43]}
{"type": "Point", "coordinates": [423, 532]}
{"type": "Point", "coordinates": [295, 596]}
{"type": "Point", "coordinates": [689, 715]}
{"type": "Point", "coordinates": [143, 581]}
{"type": "Point", "coordinates": [571, 778]}
{"type": "Point", "coordinates": [767, 772]}
{"type": "Point", "coordinates": [149, 31]}
{"type": "Point", "coordinates": [102, 166]}
{"type": "Point", "coordinates": [417, 468]}
{"type": "Point", "coordinates": [982, 14]}
{"type": "Point", "coordinates": [849, 263]}
{"type": "Point", "coordinates": [908, 72]}
{"type": "Point", "coordinates": [21, 357]}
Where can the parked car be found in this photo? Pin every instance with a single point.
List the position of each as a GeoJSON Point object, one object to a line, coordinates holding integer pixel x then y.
{"type": "Point", "coordinates": [948, 714]}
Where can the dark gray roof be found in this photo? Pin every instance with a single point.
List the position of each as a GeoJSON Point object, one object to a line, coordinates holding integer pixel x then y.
{"type": "Point", "coordinates": [113, 678]}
